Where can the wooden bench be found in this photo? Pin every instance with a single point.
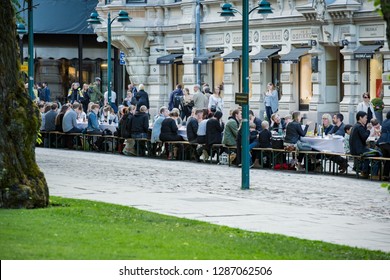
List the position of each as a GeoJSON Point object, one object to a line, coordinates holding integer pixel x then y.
{"type": "Point", "coordinates": [182, 144]}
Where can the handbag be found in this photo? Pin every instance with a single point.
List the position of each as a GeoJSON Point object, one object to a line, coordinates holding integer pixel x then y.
{"type": "Point", "coordinates": [303, 146]}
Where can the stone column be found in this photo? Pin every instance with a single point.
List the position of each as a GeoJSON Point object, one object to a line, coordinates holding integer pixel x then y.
{"type": "Point", "coordinates": [258, 86]}
{"type": "Point", "coordinates": [289, 100]}
{"type": "Point", "coordinates": [350, 79]}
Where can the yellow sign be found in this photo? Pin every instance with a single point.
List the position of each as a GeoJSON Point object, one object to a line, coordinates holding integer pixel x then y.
{"type": "Point", "coordinates": [24, 67]}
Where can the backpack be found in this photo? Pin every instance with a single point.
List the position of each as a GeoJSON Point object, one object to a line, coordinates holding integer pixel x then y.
{"type": "Point", "coordinates": [177, 101]}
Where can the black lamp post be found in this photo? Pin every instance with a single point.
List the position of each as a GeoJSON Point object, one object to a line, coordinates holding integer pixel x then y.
{"type": "Point", "coordinates": [263, 8]}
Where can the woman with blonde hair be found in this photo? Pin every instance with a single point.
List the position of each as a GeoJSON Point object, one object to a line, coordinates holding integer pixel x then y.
{"type": "Point", "coordinates": [327, 123]}
{"type": "Point", "coordinates": [216, 101]}
{"type": "Point", "coordinates": [271, 101]}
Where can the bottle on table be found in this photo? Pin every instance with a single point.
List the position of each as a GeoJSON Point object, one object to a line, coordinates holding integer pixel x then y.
{"type": "Point", "coordinates": [315, 132]}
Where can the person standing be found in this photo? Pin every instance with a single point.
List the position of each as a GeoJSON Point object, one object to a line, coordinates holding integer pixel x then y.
{"type": "Point", "coordinates": [216, 101]}
{"type": "Point", "coordinates": [199, 98]}
{"type": "Point", "coordinates": [95, 94]}
{"type": "Point", "coordinates": [175, 98]}
{"type": "Point", "coordinates": [271, 101]}
{"type": "Point", "coordinates": [46, 92]}
{"type": "Point", "coordinates": [112, 100]}
{"type": "Point", "coordinates": [366, 106]}
{"type": "Point", "coordinates": [142, 97]}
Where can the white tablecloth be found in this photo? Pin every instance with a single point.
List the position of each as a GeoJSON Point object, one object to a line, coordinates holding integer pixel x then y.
{"type": "Point", "coordinates": [326, 144]}
{"type": "Point", "coordinates": [102, 126]}
{"type": "Point", "coordinates": [183, 132]}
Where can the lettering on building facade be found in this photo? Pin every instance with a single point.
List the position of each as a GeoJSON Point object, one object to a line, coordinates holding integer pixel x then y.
{"type": "Point", "coordinates": [300, 34]}
{"type": "Point", "coordinates": [368, 31]}
{"type": "Point", "coordinates": [214, 39]}
{"type": "Point", "coordinates": [271, 36]}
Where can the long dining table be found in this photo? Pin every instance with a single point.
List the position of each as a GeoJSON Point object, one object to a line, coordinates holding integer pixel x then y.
{"type": "Point", "coordinates": [333, 144]}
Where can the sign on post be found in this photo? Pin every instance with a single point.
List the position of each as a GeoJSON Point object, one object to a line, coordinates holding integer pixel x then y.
{"type": "Point", "coordinates": [122, 58]}
{"type": "Point", "coordinates": [24, 67]}
{"type": "Point", "coordinates": [242, 98]}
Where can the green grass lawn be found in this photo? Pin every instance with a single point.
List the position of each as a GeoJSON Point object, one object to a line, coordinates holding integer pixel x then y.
{"type": "Point", "coordinates": [81, 229]}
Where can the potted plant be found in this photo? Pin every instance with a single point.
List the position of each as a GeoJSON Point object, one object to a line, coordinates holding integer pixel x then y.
{"type": "Point", "coordinates": [378, 105]}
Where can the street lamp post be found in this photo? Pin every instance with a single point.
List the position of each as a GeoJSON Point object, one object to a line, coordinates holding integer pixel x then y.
{"type": "Point", "coordinates": [94, 20]}
{"type": "Point", "coordinates": [21, 30]}
{"type": "Point", "coordinates": [263, 8]}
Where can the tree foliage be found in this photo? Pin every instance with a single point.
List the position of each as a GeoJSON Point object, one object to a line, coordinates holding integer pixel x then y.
{"type": "Point", "coordinates": [22, 184]}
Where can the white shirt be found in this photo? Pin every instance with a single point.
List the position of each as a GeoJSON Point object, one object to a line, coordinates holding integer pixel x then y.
{"type": "Point", "coordinates": [113, 96]}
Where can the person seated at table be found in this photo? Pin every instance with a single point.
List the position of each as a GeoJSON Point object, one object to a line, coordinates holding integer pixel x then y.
{"type": "Point", "coordinates": [60, 117]}
{"type": "Point", "coordinates": [193, 124]}
{"type": "Point", "coordinates": [376, 128]}
{"type": "Point", "coordinates": [179, 121]}
{"type": "Point", "coordinates": [264, 141]}
{"type": "Point", "coordinates": [255, 120]}
{"type": "Point", "coordinates": [140, 128]}
{"type": "Point", "coordinates": [294, 132]}
{"type": "Point", "coordinates": [81, 116]}
{"type": "Point", "coordinates": [126, 131]}
{"type": "Point", "coordinates": [278, 125]}
{"type": "Point", "coordinates": [347, 130]}
{"type": "Point", "coordinates": [384, 144]}
{"type": "Point", "coordinates": [201, 135]}
{"type": "Point", "coordinates": [69, 122]}
{"type": "Point", "coordinates": [287, 119]}
{"type": "Point", "coordinates": [105, 114]}
{"type": "Point", "coordinates": [214, 129]}
{"type": "Point", "coordinates": [230, 133]}
{"type": "Point", "coordinates": [94, 129]}
{"type": "Point", "coordinates": [156, 130]}
{"type": "Point", "coordinates": [169, 132]}
{"type": "Point", "coordinates": [338, 125]}
{"type": "Point", "coordinates": [357, 141]}
{"type": "Point", "coordinates": [327, 123]}
{"type": "Point", "coordinates": [231, 128]}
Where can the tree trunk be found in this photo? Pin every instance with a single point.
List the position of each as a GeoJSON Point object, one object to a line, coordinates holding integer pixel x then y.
{"type": "Point", "coordinates": [22, 184]}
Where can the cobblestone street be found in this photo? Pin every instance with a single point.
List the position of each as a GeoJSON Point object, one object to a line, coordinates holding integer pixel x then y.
{"type": "Point", "coordinates": [336, 209]}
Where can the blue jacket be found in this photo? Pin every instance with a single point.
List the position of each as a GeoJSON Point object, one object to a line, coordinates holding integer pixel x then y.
{"type": "Point", "coordinates": [93, 123]}
{"type": "Point", "coordinates": [385, 133]}
{"type": "Point", "coordinates": [274, 100]}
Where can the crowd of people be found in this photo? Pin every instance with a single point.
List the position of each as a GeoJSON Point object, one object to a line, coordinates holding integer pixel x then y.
{"type": "Point", "coordinates": [199, 117]}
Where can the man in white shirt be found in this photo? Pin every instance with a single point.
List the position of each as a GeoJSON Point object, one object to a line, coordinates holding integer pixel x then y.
{"type": "Point", "coordinates": [112, 101]}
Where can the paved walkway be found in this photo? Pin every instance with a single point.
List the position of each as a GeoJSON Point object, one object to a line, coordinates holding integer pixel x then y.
{"type": "Point", "coordinates": [328, 208]}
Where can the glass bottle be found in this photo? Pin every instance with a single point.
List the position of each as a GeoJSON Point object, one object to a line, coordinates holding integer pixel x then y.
{"type": "Point", "coordinates": [315, 133]}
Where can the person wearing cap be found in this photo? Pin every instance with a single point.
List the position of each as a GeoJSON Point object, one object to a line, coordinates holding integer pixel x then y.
{"type": "Point", "coordinates": [95, 94]}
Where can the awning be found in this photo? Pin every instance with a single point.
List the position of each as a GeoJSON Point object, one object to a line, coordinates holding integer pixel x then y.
{"type": "Point", "coordinates": [60, 17]}
{"type": "Point", "coordinates": [366, 52]}
{"type": "Point", "coordinates": [264, 54]}
{"type": "Point", "coordinates": [233, 56]}
{"type": "Point", "coordinates": [67, 53]}
{"type": "Point", "coordinates": [203, 58]}
{"type": "Point", "coordinates": [294, 55]}
{"type": "Point", "coordinates": [169, 59]}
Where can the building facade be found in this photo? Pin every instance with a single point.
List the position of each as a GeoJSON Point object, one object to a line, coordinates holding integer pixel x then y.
{"type": "Point", "coordinates": [321, 55]}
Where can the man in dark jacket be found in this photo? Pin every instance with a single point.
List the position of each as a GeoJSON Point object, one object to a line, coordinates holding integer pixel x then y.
{"type": "Point", "coordinates": [384, 144]}
{"type": "Point", "coordinates": [176, 93]}
{"type": "Point", "coordinates": [338, 125]}
{"type": "Point", "coordinates": [142, 97]}
{"type": "Point", "coordinates": [358, 138]}
{"type": "Point", "coordinates": [140, 127]}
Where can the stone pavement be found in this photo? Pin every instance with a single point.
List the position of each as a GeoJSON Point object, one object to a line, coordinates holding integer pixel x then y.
{"type": "Point", "coordinates": [335, 209]}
